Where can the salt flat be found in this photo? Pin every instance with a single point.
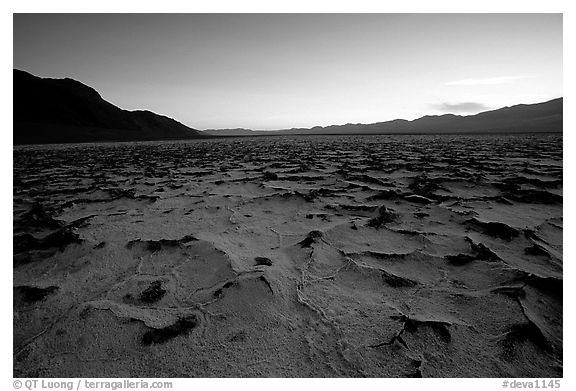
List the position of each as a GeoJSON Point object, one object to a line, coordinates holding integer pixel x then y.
{"type": "Point", "coordinates": [379, 256]}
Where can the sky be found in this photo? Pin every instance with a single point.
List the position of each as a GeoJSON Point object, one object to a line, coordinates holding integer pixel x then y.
{"type": "Point", "coordinates": [274, 71]}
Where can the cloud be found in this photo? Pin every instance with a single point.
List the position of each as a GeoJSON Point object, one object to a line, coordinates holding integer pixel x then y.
{"type": "Point", "coordinates": [485, 82]}
{"type": "Point", "coordinates": [463, 107]}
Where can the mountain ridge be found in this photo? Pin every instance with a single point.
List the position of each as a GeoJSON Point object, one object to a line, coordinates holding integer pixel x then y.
{"type": "Point", "coordinates": [65, 110]}
{"type": "Point", "coordinates": [544, 117]}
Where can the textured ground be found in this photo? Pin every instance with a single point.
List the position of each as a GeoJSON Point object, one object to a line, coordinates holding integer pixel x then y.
{"type": "Point", "coordinates": [388, 256]}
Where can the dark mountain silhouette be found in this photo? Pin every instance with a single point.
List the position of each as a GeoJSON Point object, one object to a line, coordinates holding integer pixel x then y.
{"type": "Point", "coordinates": [65, 110]}
{"type": "Point", "coordinates": [524, 118]}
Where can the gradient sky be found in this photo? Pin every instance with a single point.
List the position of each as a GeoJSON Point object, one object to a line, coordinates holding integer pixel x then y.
{"type": "Point", "coordinates": [270, 71]}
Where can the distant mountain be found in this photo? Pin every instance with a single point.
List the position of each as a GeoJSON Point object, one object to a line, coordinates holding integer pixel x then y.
{"type": "Point", "coordinates": [539, 118]}
{"type": "Point", "coordinates": [65, 111]}
{"type": "Point", "coordinates": [232, 132]}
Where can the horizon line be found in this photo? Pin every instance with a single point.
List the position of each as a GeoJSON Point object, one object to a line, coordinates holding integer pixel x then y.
{"type": "Point", "coordinates": [379, 122]}
{"type": "Point", "coordinates": [288, 128]}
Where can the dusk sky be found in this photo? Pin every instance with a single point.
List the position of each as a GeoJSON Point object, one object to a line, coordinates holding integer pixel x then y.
{"type": "Point", "coordinates": [270, 71]}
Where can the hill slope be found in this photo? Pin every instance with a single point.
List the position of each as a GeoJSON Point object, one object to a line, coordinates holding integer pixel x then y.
{"type": "Point", "coordinates": [65, 110]}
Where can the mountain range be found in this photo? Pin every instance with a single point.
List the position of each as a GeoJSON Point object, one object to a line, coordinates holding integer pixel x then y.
{"type": "Point", "coordinates": [543, 117]}
{"type": "Point", "coordinates": [67, 111]}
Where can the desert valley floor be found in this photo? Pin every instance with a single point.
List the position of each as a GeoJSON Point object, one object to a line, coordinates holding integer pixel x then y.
{"type": "Point", "coordinates": [378, 256]}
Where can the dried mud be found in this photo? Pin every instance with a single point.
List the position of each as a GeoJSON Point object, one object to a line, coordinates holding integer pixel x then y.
{"type": "Point", "coordinates": [377, 256]}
